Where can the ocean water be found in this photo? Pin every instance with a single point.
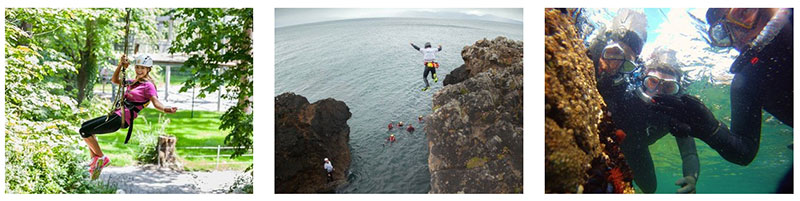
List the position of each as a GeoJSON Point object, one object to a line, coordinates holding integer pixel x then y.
{"type": "Point", "coordinates": [707, 69]}
{"type": "Point", "coordinates": [369, 64]}
{"type": "Point", "coordinates": [717, 175]}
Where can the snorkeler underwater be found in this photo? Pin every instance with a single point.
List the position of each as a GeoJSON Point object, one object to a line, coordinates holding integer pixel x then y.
{"type": "Point", "coordinates": [666, 100]}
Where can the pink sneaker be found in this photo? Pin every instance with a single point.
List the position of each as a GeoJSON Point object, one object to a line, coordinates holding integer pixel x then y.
{"type": "Point", "coordinates": [97, 166]}
{"type": "Point", "coordinates": [106, 160]}
{"type": "Point", "coordinates": [92, 163]}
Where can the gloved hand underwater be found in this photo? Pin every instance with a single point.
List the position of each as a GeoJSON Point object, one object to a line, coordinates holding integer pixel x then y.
{"type": "Point", "coordinates": [687, 184]}
{"type": "Point", "coordinates": [678, 128]}
{"type": "Point", "coordinates": [687, 110]}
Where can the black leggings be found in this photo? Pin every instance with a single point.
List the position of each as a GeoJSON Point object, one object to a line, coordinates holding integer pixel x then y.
{"type": "Point", "coordinates": [99, 125]}
{"type": "Point", "coordinates": [425, 74]}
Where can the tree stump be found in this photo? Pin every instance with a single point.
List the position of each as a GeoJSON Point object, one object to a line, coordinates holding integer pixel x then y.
{"type": "Point", "coordinates": [166, 152]}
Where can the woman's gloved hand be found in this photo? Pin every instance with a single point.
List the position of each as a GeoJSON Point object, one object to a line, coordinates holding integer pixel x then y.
{"type": "Point", "coordinates": [678, 128]}
{"type": "Point", "coordinates": [687, 184]}
{"type": "Point", "coordinates": [690, 111]}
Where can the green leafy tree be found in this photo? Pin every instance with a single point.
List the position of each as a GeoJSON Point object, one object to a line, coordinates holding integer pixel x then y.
{"type": "Point", "coordinates": [214, 37]}
{"type": "Point", "coordinates": [83, 37]}
{"type": "Point", "coordinates": [41, 142]}
{"type": "Point", "coordinates": [47, 50]}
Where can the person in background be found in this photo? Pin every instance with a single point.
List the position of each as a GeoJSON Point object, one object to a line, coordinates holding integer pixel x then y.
{"type": "Point", "coordinates": [643, 127]}
{"type": "Point", "coordinates": [615, 52]}
{"type": "Point", "coordinates": [763, 77]}
{"type": "Point", "coordinates": [627, 87]}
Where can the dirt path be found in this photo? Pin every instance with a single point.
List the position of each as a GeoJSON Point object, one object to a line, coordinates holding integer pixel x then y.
{"type": "Point", "coordinates": [150, 179]}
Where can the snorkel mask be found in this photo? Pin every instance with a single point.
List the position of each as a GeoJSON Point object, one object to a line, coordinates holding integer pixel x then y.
{"type": "Point", "coordinates": [721, 31]}
{"type": "Point", "coordinates": [615, 52]}
{"type": "Point", "coordinates": [649, 85]}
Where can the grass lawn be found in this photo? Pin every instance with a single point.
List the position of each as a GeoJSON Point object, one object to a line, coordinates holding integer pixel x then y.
{"type": "Point", "coordinates": [177, 79]}
{"type": "Point", "coordinates": [200, 131]}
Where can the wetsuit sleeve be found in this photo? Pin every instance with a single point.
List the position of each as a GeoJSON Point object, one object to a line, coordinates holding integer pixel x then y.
{"type": "Point", "coordinates": [415, 47]}
{"type": "Point", "coordinates": [691, 163]}
{"type": "Point", "coordinates": [440, 49]}
{"type": "Point", "coordinates": [740, 144]}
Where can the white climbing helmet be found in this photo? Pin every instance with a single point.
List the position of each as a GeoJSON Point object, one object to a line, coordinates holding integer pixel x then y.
{"type": "Point", "coordinates": [144, 60]}
{"type": "Point", "coordinates": [326, 159]}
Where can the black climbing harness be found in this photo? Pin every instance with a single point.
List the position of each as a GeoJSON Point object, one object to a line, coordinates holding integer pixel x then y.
{"type": "Point", "coordinates": [134, 109]}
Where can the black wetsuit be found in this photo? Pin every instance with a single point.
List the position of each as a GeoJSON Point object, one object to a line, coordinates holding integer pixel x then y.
{"type": "Point", "coordinates": [427, 69]}
{"type": "Point", "coordinates": [762, 83]}
{"type": "Point", "coordinates": [643, 127]}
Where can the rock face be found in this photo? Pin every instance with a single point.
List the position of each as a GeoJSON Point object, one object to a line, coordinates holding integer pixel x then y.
{"type": "Point", "coordinates": [475, 132]}
{"type": "Point", "coordinates": [580, 153]}
{"type": "Point", "coordinates": [305, 134]}
{"type": "Point", "coordinates": [486, 54]}
{"type": "Point", "coordinates": [457, 75]}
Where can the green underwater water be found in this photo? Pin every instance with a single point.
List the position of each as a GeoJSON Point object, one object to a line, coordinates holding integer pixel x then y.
{"type": "Point", "coordinates": [717, 175]}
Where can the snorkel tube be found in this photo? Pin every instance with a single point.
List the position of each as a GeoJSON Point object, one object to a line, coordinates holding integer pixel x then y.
{"type": "Point", "coordinates": [772, 29]}
{"type": "Point", "coordinates": [642, 95]}
{"type": "Point", "coordinates": [636, 86]}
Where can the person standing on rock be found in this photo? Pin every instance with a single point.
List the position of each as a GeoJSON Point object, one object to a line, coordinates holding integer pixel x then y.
{"type": "Point", "coordinates": [329, 169]}
{"type": "Point", "coordinates": [140, 92]}
{"type": "Point", "coordinates": [428, 57]}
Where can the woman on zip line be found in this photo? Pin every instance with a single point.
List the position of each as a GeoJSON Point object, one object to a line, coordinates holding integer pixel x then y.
{"type": "Point", "coordinates": [139, 93]}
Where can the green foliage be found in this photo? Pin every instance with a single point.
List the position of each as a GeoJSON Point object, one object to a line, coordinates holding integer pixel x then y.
{"type": "Point", "coordinates": [52, 61]}
{"type": "Point", "coordinates": [148, 138]}
{"type": "Point", "coordinates": [200, 130]}
{"type": "Point", "coordinates": [79, 38]}
{"type": "Point", "coordinates": [243, 184]}
{"type": "Point", "coordinates": [213, 37]}
{"type": "Point", "coordinates": [42, 151]}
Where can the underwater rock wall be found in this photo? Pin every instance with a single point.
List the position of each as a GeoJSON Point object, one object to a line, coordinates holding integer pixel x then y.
{"type": "Point", "coordinates": [305, 134]}
{"type": "Point", "coordinates": [475, 131]}
{"type": "Point", "coordinates": [580, 152]}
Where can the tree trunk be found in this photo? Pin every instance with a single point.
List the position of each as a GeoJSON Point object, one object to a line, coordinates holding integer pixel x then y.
{"type": "Point", "coordinates": [166, 152]}
{"type": "Point", "coordinates": [247, 108]}
{"type": "Point", "coordinates": [88, 62]}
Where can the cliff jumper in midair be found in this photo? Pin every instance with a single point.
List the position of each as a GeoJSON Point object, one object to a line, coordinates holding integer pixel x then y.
{"type": "Point", "coordinates": [133, 96]}
{"type": "Point", "coordinates": [428, 57]}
